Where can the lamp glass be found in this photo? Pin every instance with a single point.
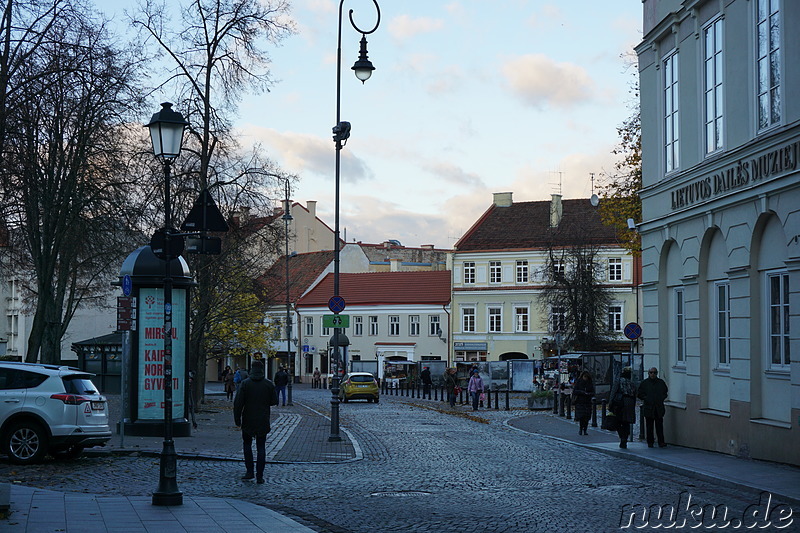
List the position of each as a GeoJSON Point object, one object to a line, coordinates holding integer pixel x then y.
{"type": "Point", "coordinates": [363, 74]}
{"type": "Point", "coordinates": [167, 138]}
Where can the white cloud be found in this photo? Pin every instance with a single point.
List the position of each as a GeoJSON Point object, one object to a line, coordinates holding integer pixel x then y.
{"type": "Point", "coordinates": [455, 174]}
{"type": "Point", "coordinates": [298, 153]}
{"type": "Point", "coordinates": [541, 82]}
{"type": "Point", "coordinates": [404, 27]}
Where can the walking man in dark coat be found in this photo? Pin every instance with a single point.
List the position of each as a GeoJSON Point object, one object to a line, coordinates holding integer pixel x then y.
{"type": "Point", "coordinates": [251, 412]}
{"type": "Point", "coordinates": [425, 376]}
{"type": "Point", "coordinates": [281, 381]}
{"type": "Point", "coordinates": [653, 392]}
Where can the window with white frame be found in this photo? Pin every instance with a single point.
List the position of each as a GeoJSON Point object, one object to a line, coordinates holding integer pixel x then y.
{"type": "Point", "coordinates": [413, 325]}
{"type": "Point", "coordinates": [394, 325]}
{"type": "Point", "coordinates": [521, 319]}
{"type": "Point", "coordinates": [358, 326]}
{"type": "Point", "coordinates": [713, 85]}
{"type": "Point", "coordinates": [671, 124]}
{"type": "Point", "coordinates": [434, 327]}
{"type": "Point", "coordinates": [522, 271]}
{"type": "Point", "coordinates": [723, 322]}
{"type": "Point", "coordinates": [558, 319]}
{"type": "Point", "coordinates": [495, 272]}
{"type": "Point", "coordinates": [468, 319]}
{"type": "Point", "coordinates": [469, 272]}
{"type": "Point", "coordinates": [615, 269]}
{"type": "Point", "coordinates": [558, 267]}
{"type": "Point", "coordinates": [495, 319]}
{"type": "Point", "coordinates": [308, 323]}
{"type": "Point", "coordinates": [326, 332]}
{"type": "Point", "coordinates": [373, 326]}
{"type": "Point", "coordinates": [615, 318]}
{"type": "Point", "coordinates": [778, 317]}
{"type": "Point", "coordinates": [680, 328]}
{"type": "Point", "coordinates": [768, 38]}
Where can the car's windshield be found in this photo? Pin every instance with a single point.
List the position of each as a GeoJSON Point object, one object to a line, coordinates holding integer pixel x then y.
{"type": "Point", "coordinates": [362, 379]}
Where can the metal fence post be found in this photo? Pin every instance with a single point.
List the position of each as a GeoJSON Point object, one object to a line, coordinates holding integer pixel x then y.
{"type": "Point", "coordinates": [603, 407]}
{"type": "Point", "coordinates": [555, 402]}
{"type": "Point", "coordinates": [507, 406]}
{"type": "Point", "coordinates": [594, 412]}
{"type": "Point", "coordinates": [568, 401]}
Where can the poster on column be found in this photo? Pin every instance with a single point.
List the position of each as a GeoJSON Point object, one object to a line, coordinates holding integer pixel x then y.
{"type": "Point", "coordinates": [151, 353]}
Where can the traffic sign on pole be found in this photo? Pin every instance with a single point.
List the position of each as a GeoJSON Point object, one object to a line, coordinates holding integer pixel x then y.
{"type": "Point", "coordinates": [336, 304]}
{"type": "Point", "coordinates": [335, 321]}
{"type": "Point", "coordinates": [633, 331]}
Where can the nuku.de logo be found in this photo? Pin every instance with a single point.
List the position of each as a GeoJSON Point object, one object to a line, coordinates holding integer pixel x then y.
{"type": "Point", "coordinates": [690, 515]}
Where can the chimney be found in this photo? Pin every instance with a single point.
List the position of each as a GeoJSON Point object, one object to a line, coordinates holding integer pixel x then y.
{"type": "Point", "coordinates": [503, 199]}
{"type": "Point", "coordinates": [394, 265]}
{"type": "Point", "coordinates": [556, 210]}
{"type": "Point", "coordinates": [427, 247]}
{"type": "Point", "coordinates": [311, 205]}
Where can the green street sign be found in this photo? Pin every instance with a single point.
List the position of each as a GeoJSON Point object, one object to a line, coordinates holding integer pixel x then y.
{"type": "Point", "coordinates": [335, 321]}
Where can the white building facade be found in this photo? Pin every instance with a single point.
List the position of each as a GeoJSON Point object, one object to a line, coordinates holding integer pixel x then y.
{"type": "Point", "coordinates": [721, 210]}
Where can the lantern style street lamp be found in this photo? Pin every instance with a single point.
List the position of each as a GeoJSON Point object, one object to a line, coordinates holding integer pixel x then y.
{"type": "Point", "coordinates": [166, 132]}
{"type": "Point", "coordinates": [341, 132]}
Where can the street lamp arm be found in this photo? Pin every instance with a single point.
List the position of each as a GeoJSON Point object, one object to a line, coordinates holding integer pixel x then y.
{"type": "Point", "coordinates": [352, 22]}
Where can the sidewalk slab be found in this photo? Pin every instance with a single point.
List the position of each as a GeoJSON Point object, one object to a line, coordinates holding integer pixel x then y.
{"type": "Point", "coordinates": [783, 481]}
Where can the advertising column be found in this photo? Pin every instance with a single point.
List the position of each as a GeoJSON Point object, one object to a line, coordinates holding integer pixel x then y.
{"type": "Point", "coordinates": [150, 405]}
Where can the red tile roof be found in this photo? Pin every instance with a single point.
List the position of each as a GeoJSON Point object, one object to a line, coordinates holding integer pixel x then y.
{"type": "Point", "coordinates": [303, 270]}
{"type": "Point", "coordinates": [526, 225]}
{"type": "Point", "coordinates": [383, 288]}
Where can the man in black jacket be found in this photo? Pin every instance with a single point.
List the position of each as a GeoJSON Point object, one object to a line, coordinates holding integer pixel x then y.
{"type": "Point", "coordinates": [653, 392]}
{"type": "Point", "coordinates": [425, 376]}
{"type": "Point", "coordinates": [281, 381]}
{"type": "Point", "coordinates": [251, 412]}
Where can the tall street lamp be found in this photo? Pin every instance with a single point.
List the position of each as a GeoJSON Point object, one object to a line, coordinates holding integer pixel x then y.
{"type": "Point", "coordinates": [287, 217]}
{"type": "Point", "coordinates": [363, 69]}
{"type": "Point", "coordinates": [166, 132]}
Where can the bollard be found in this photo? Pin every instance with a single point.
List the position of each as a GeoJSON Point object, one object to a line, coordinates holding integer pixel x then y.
{"type": "Point", "coordinates": [594, 412]}
{"type": "Point", "coordinates": [489, 399]}
{"type": "Point", "coordinates": [562, 400]}
{"type": "Point", "coordinates": [325, 383]}
{"type": "Point", "coordinates": [497, 399]}
{"type": "Point", "coordinates": [413, 390]}
{"type": "Point", "coordinates": [603, 406]}
{"type": "Point", "coordinates": [555, 402]}
{"type": "Point", "coordinates": [507, 394]}
{"type": "Point", "coordinates": [568, 401]}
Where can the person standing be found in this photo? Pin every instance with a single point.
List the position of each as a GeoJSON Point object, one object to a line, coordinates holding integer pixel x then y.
{"type": "Point", "coordinates": [653, 391]}
{"type": "Point", "coordinates": [623, 405]}
{"type": "Point", "coordinates": [475, 388]}
{"type": "Point", "coordinates": [425, 377]}
{"type": "Point", "coordinates": [281, 381]}
{"type": "Point", "coordinates": [316, 382]}
{"type": "Point", "coordinates": [227, 382]}
{"type": "Point", "coordinates": [251, 409]}
{"type": "Point", "coordinates": [582, 395]}
{"type": "Point", "coordinates": [450, 386]}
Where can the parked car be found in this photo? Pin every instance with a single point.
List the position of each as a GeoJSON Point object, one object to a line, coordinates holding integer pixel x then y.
{"type": "Point", "coordinates": [359, 386]}
{"type": "Point", "coordinates": [49, 409]}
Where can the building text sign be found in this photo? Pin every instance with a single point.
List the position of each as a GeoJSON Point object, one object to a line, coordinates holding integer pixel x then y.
{"type": "Point", "coordinates": [739, 175]}
{"type": "Point", "coordinates": [151, 353]}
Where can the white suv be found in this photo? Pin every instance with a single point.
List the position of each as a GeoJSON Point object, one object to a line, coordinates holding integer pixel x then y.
{"type": "Point", "coordinates": [49, 409]}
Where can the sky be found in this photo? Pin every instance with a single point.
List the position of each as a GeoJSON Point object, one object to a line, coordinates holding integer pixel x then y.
{"type": "Point", "coordinates": [468, 98]}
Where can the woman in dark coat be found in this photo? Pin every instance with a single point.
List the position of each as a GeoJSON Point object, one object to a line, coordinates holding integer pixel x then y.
{"type": "Point", "coordinates": [623, 405]}
{"type": "Point", "coordinates": [582, 396]}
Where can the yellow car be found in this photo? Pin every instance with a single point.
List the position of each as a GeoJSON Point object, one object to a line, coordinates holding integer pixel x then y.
{"type": "Point", "coordinates": [359, 386]}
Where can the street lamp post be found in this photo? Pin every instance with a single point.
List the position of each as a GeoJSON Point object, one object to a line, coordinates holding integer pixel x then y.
{"type": "Point", "coordinates": [341, 131]}
{"type": "Point", "coordinates": [287, 217]}
{"type": "Point", "coordinates": [166, 132]}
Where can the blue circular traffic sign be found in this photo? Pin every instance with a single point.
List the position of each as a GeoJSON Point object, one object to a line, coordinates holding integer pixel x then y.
{"type": "Point", "coordinates": [336, 304]}
{"type": "Point", "coordinates": [633, 331]}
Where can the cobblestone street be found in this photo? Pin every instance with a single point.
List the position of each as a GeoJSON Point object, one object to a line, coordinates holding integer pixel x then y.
{"type": "Point", "coordinates": [419, 467]}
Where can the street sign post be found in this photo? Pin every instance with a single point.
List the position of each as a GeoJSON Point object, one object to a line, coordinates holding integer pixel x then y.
{"type": "Point", "coordinates": [335, 321]}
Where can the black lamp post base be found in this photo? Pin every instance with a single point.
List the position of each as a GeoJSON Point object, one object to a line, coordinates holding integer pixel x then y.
{"type": "Point", "coordinates": [167, 492]}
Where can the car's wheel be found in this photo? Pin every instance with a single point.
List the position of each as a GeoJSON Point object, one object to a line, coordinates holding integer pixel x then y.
{"type": "Point", "coordinates": [26, 443]}
{"type": "Point", "coordinates": [344, 399]}
{"type": "Point", "coordinates": [375, 400]}
{"type": "Point", "coordinates": [72, 452]}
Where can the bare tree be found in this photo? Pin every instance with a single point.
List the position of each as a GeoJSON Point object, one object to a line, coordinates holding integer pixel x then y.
{"type": "Point", "coordinates": [217, 55]}
{"type": "Point", "coordinates": [67, 210]}
{"type": "Point", "coordinates": [574, 297]}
